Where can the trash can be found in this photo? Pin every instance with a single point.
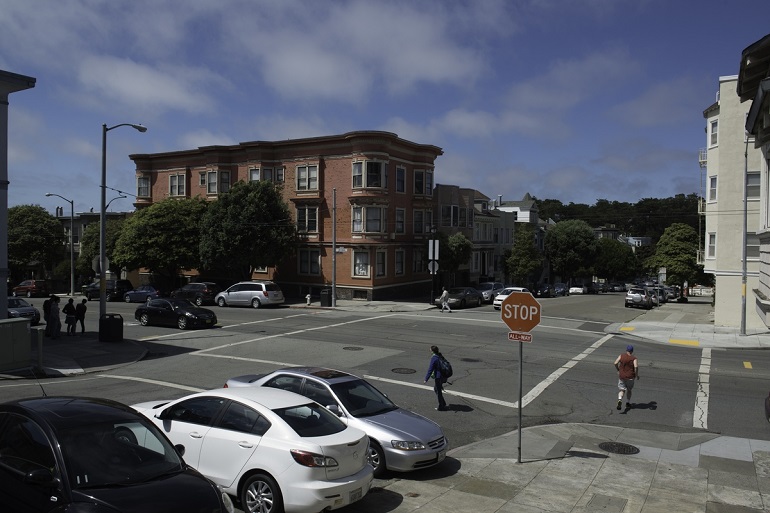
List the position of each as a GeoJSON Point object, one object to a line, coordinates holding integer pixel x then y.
{"type": "Point", "coordinates": [326, 297]}
{"type": "Point", "coordinates": [111, 328]}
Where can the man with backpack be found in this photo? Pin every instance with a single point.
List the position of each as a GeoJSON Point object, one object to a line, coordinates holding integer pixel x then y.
{"type": "Point", "coordinates": [435, 367]}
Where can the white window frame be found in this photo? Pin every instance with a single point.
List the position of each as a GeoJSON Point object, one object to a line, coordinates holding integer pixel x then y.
{"type": "Point", "coordinates": [363, 174]}
{"type": "Point", "coordinates": [713, 188]}
{"type": "Point", "coordinates": [307, 219]}
{"type": "Point", "coordinates": [255, 174]}
{"type": "Point", "coordinates": [212, 186]}
{"type": "Point", "coordinates": [143, 186]}
{"type": "Point", "coordinates": [361, 267]}
{"type": "Point", "coordinates": [400, 262]}
{"type": "Point", "coordinates": [202, 178]}
{"type": "Point", "coordinates": [400, 226]}
{"type": "Point", "coordinates": [363, 218]}
{"type": "Point", "coordinates": [711, 249]}
{"type": "Point", "coordinates": [752, 246]}
{"type": "Point", "coordinates": [176, 185]}
{"type": "Point", "coordinates": [380, 264]}
{"type": "Point", "coordinates": [713, 133]}
{"type": "Point", "coordinates": [279, 174]}
{"type": "Point", "coordinates": [307, 177]}
{"type": "Point", "coordinates": [224, 181]}
{"type": "Point", "coordinates": [753, 185]}
{"type": "Point", "coordinates": [308, 262]}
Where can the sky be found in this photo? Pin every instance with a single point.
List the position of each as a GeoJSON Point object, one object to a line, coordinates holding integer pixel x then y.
{"type": "Point", "coordinates": [574, 100]}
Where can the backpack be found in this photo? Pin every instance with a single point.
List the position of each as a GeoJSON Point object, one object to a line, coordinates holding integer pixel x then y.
{"type": "Point", "coordinates": [445, 367]}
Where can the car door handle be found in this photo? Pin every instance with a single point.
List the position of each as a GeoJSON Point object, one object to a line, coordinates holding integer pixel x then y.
{"type": "Point", "coordinates": [246, 445]}
{"type": "Point", "coordinates": [195, 434]}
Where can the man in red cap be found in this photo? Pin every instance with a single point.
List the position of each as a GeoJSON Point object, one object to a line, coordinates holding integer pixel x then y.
{"type": "Point", "coordinates": [628, 371]}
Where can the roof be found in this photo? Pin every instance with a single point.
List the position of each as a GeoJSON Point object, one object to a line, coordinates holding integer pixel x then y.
{"type": "Point", "coordinates": [271, 398]}
{"type": "Point", "coordinates": [755, 65]}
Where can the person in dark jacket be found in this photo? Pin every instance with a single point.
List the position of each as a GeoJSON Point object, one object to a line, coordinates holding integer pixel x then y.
{"type": "Point", "coordinates": [69, 320]}
{"type": "Point", "coordinates": [80, 315]}
{"type": "Point", "coordinates": [434, 370]}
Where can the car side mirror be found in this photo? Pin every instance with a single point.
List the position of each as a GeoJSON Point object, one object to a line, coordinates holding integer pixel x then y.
{"type": "Point", "coordinates": [180, 450]}
{"type": "Point", "coordinates": [335, 409]}
{"type": "Point", "coordinates": [41, 477]}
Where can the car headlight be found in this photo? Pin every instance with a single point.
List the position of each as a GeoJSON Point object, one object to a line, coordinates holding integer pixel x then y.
{"type": "Point", "coordinates": [190, 315]}
{"type": "Point", "coordinates": [406, 445]}
{"type": "Point", "coordinates": [13, 314]}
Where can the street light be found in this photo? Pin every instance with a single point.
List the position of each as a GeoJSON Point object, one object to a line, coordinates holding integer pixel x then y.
{"type": "Point", "coordinates": [113, 199]}
{"type": "Point", "coordinates": [72, 240]}
{"type": "Point", "coordinates": [102, 222]}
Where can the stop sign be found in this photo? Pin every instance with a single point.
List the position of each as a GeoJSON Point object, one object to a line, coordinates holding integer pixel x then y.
{"type": "Point", "coordinates": [520, 311]}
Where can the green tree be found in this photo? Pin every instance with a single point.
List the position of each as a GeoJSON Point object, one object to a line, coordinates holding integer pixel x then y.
{"type": "Point", "coordinates": [677, 252]}
{"type": "Point", "coordinates": [570, 247]}
{"type": "Point", "coordinates": [455, 250]}
{"type": "Point", "coordinates": [35, 240]}
{"type": "Point", "coordinates": [164, 238]}
{"type": "Point", "coordinates": [89, 246]}
{"type": "Point", "coordinates": [248, 227]}
{"type": "Point", "coordinates": [525, 258]}
{"type": "Point", "coordinates": [615, 260]}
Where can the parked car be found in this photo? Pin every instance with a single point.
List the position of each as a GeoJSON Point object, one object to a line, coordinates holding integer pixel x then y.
{"type": "Point", "coordinates": [30, 288]}
{"type": "Point", "coordinates": [638, 297]}
{"type": "Point", "coordinates": [497, 303]}
{"type": "Point", "coordinates": [178, 313]}
{"type": "Point", "coordinates": [142, 294]}
{"type": "Point", "coordinates": [83, 455]}
{"type": "Point", "coordinates": [18, 307]}
{"type": "Point", "coordinates": [560, 289]}
{"type": "Point", "coordinates": [251, 293]}
{"type": "Point", "coordinates": [544, 290]}
{"type": "Point", "coordinates": [578, 289]}
{"type": "Point", "coordinates": [200, 293]}
{"type": "Point", "coordinates": [274, 450]}
{"type": "Point", "coordinates": [461, 297]}
{"type": "Point", "coordinates": [595, 288]}
{"type": "Point", "coordinates": [399, 439]}
{"type": "Point", "coordinates": [489, 289]}
{"type": "Point", "coordinates": [114, 289]}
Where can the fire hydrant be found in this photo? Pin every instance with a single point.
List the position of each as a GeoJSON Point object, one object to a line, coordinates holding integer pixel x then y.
{"type": "Point", "coordinates": [308, 299]}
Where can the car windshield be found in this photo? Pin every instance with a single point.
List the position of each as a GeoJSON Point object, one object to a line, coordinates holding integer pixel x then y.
{"type": "Point", "coordinates": [485, 286]}
{"type": "Point", "coordinates": [116, 453]}
{"type": "Point", "coordinates": [311, 419]}
{"type": "Point", "coordinates": [181, 303]}
{"type": "Point", "coordinates": [14, 302]}
{"type": "Point", "coordinates": [459, 290]}
{"type": "Point", "coordinates": [361, 399]}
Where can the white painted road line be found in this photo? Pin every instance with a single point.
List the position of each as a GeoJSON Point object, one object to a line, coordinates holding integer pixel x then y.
{"type": "Point", "coordinates": [700, 415]}
{"type": "Point", "coordinates": [154, 382]}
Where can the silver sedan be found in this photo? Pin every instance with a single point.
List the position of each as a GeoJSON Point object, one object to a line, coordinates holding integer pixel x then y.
{"type": "Point", "coordinates": [399, 440]}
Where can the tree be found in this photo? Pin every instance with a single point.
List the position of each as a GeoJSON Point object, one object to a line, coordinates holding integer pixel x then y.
{"type": "Point", "coordinates": [570, 246]}
{"type": "Point", "coordinates": [89, 246]}
{"type": "Point", "coordinates": [525, 259]}
{"type": "Point", "coordinates": [35, 240]}
{"type": "Point", "coordinates": [677, 252]}
{"type": "Point", "coordinates": [248, 227]}
{"type": "Point", "coordinates": [456, 251]}
{"type": "Point", "coordinates": [164, 238]}
{"type": "Point", "coordinates": [615, 260]}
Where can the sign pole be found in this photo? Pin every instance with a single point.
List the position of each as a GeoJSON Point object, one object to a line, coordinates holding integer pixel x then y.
{"type": "Point", "coordinates": [521, 386]}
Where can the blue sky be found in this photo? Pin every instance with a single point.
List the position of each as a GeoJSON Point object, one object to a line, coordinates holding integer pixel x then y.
{"type": "Point", "coordinates": [575, 100]}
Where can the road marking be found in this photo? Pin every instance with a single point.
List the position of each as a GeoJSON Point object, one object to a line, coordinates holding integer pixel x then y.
{"type": "Point", "coordinates": [181, 332]}
{"type": "Point", "coordinates": [683, 342]}
{"type": "Point", "coordinates": [747, 365]}
{"type": "Point", "coordinates": [153, 382]}
{"type": "Point", "coordinates": [446, 391]}
{"type": "Point", "coordinates": [627, 328]}
{"type": "Point", "coordinates": [700, 415]}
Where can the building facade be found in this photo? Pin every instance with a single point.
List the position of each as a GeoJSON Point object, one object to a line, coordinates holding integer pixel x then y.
{"type": "Point", "coordinates": [732, 169]}
{"type": "Point", "coordinates": [753, 86]}
{"type": "Point", "coordinates": [362, 202]}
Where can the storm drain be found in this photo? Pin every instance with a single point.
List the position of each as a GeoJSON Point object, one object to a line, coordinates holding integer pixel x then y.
{"type": "Point", "coordinates": [470, 360]}
{"type": "Point", "coordinates": [353, 348]}
{"type": "Point", "coordinates": [403, 370]}
{"type": "Point", "coordinates": [618, 448]}
{"type": "Point", "coordinates": [606, 504]}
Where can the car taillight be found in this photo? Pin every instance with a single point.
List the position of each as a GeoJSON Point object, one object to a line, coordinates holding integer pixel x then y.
{"type": "Point", "coordinates": [309, 459]}
{"type": "Point", "coordinates": [225, 386]}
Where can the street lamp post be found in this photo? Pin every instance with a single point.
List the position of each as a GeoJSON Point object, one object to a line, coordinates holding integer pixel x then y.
{"type": "Point", "coordinates": [72, 240]}
{"type": "Point", "coordinates": [102, 222]}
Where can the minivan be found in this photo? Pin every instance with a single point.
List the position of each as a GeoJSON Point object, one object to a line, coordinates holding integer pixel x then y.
{"type": "Point", "coordinates": [251, 293]}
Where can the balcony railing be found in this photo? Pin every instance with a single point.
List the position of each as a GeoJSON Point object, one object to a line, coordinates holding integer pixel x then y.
{"type": "Point", "coordinates": [701, 260]}
{"type": "Point", "coordinates": [703, 157]}
{"type": "Point", "coordinates": [701, 206]}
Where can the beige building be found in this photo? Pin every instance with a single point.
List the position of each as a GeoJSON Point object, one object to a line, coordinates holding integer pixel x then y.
{"type": "Point", "coordinates": [727, 157]}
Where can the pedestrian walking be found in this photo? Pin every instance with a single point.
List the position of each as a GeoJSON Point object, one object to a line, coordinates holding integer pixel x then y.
{"type": "Point", "coordinates": [445, 300]}
{"type": "Point", "coordinates": [53, 318]}
{"type": "Point", "coordinates": [80, 315]}
{"type": "Point", "coordinates": [434, 371]}
{"type": "Point", "coordinates": [628, 371]}
{"type": "Point", "coordinates": [69, 319]}
{"type": "Point", "coordinates": [46, 309]}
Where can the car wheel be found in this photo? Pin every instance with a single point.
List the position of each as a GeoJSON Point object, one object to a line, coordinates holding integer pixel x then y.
{"type": "Point", "coordinates": [199, 301]}
{"type": "Point", "coordinates": [628, 306]}
{"type": "Point", "coordinates": [181, 322]}
{"type": "Point", "coordinates": [108, 297]}
{"type": "Point", "coordinates": [255, 303]}
{"type": "Point", "coordinates": [260, 494]}
{"type": "Point", "coordinates": [147, 299]}
{"type": "Point", "coordinates": [144, 319]}
{"type": "Point", "coordinates": [462, 304]}
{"type": "Point", "coordinates": [29, 293]}
{"type": "Point", "coordinates": [127, 298]}
{"type": "Point", "coordinates": [377, 458]}
{"type": "Point", "coordinates": [13, 294]}
{"type": "Point", "coordinates": [221, 302]}
{"type": "Point", "coordinates": [478, 303]}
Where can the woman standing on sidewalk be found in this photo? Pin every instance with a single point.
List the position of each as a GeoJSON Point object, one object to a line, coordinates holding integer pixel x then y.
{"type": "Point", "coordinates": [53, 318]}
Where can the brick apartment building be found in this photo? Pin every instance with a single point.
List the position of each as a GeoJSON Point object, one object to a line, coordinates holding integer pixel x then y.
{"type": "Point", "coordinates": [382, 187]}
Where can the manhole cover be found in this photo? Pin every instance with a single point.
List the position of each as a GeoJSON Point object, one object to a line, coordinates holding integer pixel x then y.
{"type": "Point", "coordinates": [618, 448]}
{"type": "Point", "coordinates": [471, 360]}
{"type": "Point", "coordinates": [403, 370]}
{"type": "Point", "coordinates": [353, 348]}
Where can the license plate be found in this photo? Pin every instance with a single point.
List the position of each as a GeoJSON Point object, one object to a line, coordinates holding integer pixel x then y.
{"type": "Point", "coordinates": [441, 455]}
{"type": "Point", "coordinates": [208, 321]}
{"type": "Point", "coordinates": [355, 495]}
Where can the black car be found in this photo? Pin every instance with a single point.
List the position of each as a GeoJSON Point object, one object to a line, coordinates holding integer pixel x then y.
{"type": "Point", "coordinates": [114, 289]}
{"type": "Point", "coordinates": [19, 308]}
{"type": "Point", "coordinates": [544, 290]}
{"type": "Point", "coordinates": [200, 293]}
{"type": "Point", "coordinates": [79, 455]}
{"type": "Point", "coordinates": [142, 294]}
{"type": "Point", "coordinates": [174, 312]}
{"type": "Point", "coordinates": [560, 289]}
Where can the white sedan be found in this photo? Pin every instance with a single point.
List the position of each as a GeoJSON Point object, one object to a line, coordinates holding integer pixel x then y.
{"type": "Point", "coordinates": [272, 449]}
{"type": "Point", "coordinates": [578, 289]}
{"type": "Point", "coordinates": [498, 301]}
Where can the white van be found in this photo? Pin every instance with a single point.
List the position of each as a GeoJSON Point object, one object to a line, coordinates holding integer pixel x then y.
{"type": "Point", "coordinates": [251, 293]}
